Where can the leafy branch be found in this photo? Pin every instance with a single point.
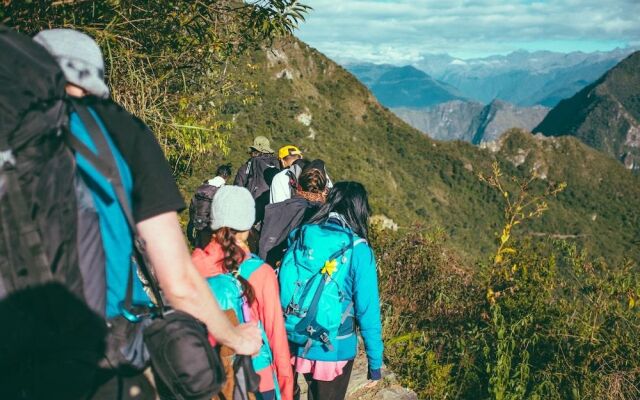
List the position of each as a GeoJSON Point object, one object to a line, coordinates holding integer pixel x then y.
{"type": "Point", "coordinates": [520, 205]}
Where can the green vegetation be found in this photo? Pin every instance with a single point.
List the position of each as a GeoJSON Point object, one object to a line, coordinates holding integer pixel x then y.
{"type": "Point", "coordinates": [603, 115]}
{"type": "Point", "coordinates": [169, 61]}
{"type": "Point", "coordinates": [208, 78]}
{"type": "Point", "coordinates": [535, 318]}
{"type": "Point", "coordinates": [416, 180]}
{"type": "Point", "coordinates": [539, 321]}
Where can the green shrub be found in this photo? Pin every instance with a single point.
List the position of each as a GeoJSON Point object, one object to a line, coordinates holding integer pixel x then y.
{"type": "Point", "coordinates": [540, 320]}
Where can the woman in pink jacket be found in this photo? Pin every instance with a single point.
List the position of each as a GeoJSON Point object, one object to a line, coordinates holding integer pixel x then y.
{"type": "Point", "coordinates": [233, 214]}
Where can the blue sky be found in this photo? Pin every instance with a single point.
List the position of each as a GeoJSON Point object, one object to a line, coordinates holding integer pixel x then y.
{"type": "Point", "coordinates": [399, 31]}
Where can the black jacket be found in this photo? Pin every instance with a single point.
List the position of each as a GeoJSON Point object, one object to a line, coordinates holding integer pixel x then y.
{"type": "Point", "coordinates": [279, 220]}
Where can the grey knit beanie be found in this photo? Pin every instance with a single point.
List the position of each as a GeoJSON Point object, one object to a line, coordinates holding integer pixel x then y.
{"type": "Point", "coordinates": [233, 207]}
{"type": "Point", "coordinates": [79, 57]}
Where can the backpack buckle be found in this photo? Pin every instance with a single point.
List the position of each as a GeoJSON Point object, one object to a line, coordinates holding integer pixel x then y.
{"type": "Point", "coordinates": [292, 309]}
{"type": "Point", "coordinates": [324, 338]}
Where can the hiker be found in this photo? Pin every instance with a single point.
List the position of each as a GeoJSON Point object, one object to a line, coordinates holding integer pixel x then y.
{"type": "Point", "coordinates": [227, 259]}
{"type": "Point", "coordinates": [146, 180]}
{"type": "Point", "coordinates": [283, 217]}
{"type": "Point", "coordinates": [285, 183]}
{"type": "Point", "coordinates": [198, 230]}
{"type": "Point", "coordinates": [328, 288]}
{"type": "Point", "coordinates": [256, 172]}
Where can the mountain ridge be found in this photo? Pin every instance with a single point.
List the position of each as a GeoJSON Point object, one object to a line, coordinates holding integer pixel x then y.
{"type": "Point", "coordinates": [605, 114]}
{"type": "Point", "coordinates": [404, 86]}
{"type": "Point", "coordinates": [522, 78]}
{"type": "Point", "coordinates": [329, 114]}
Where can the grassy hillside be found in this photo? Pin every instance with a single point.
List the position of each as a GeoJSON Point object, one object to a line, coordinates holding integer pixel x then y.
{"type": "Point", "coordinates": [306, 99]}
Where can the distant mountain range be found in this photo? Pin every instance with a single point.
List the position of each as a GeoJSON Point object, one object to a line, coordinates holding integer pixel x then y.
{"type": "Point", "coordinates": [403, 86]}
{"type": "Point", "coordinates": [605, 114]}
{"type": "Point", "coordinates": [411, 178]}
{"type": "Point", "coordinates": [522, 78]}
{"type": "Point", "coordinates": [471, 121]}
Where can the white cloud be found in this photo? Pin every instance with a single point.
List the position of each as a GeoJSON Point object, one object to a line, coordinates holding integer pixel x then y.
{"type": "Point", "coordinates": [399, 31]}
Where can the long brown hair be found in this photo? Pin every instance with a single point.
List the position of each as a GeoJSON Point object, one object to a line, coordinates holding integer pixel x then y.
{"type": "Point", "coordinates": [313, 180]}
{"type": "Point", "coordinates": [233, 257]}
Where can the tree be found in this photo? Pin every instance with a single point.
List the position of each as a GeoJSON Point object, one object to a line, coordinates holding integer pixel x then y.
{"type": "Point", "coordinates": [171, 62]}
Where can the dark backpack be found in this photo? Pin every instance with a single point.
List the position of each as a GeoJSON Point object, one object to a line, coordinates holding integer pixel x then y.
{"type": "Point", "coordinates": [37, 197]}
{"type": "Point", "coordinates": [280, 219]}
{"type": "Point", "coordinates": [257, 166]}
{"type": "Point", "coordinates": [40, 280]}
{"type": "Point", "coordinates": [293, 183]}
{"type": "Point", "coordinates": [200, 208]}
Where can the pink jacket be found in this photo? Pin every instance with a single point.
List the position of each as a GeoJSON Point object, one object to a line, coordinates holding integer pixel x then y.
{"type": "Point", "coordinates": [266, 308]}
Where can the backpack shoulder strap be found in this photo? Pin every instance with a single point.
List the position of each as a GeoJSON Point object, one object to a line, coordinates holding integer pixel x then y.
{"type": "Point", "coordinates": [105, 163]}
{"type": "Point", "coordinates": [250, 265]}
{"type": "Point", "coordinates": [359, 241]}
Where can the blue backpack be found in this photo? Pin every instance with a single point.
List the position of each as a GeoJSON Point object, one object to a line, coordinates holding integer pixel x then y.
{"type": "Point", "coordinates": [312, 275]}
{"type": "Point", "coordinates": [228, 292]}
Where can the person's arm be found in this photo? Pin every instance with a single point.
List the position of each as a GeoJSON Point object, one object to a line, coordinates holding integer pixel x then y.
{"type": "Point", "coordinates": [280, 188]}
{"type": "Point", "coordinates": [265, 282]}
{"type": "Point", "coordinates": [183, 286]}
{"type": "Point", "coordinates": [367, 307]}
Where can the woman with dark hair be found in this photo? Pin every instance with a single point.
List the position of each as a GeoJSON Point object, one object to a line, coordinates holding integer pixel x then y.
{"type": "Point", "coordinates": [242, 282]}
{"type": "Point", "coordinates": [328, 289]}
{"type": "Point", "coordinates": [283, 217]}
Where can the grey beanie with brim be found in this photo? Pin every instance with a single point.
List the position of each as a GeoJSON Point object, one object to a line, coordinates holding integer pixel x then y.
{"type": "Point", "coordinates": [233, 207]}
{"type": "Point", "coordinates": [79, 57]}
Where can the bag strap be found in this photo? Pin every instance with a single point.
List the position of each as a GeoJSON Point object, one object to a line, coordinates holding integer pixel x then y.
{"type": "Point", "coordinates": [249, 266]}
{"type": "Point", "coordinates": [105, 163]}
{"type": "Point", "coordinates": [30, 252]}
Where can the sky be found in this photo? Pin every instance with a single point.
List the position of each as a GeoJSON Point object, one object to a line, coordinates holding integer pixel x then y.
{"type": "Point", "coordinates": [400, 31]}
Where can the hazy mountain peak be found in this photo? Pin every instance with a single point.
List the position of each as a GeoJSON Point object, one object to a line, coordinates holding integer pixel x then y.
{"type": "Point", "coordinates": [521, 77]}
{"type": "Point", "coordinates": [404, 86]}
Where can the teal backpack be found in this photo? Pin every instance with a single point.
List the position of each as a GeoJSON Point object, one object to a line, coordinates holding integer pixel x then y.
{"type": "Point", "coordinates": [312, 275]}
{"type": "Point", "coordinates": [228, 292]}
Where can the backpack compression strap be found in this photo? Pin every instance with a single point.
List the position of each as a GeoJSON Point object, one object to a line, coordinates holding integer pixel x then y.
{"type": "Point", "coordinates": [35, 267]}
{"type": "Point", "coordinates": [105, 163]}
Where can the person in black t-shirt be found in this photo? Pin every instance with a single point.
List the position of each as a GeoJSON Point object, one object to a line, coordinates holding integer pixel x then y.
{"type": "Point", "coordinates": [155, 196]}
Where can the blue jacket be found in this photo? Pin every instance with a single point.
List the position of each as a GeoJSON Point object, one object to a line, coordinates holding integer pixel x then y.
{"type": "Point", "coordinates": [361, 286]}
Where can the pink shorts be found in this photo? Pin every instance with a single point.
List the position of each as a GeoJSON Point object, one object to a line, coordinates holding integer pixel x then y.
{"type": "Point", "coordinates": [320, 370]}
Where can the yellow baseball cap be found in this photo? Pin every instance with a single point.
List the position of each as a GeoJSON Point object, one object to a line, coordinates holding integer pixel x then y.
{"type": "Point", "coordinates": [288, 150]}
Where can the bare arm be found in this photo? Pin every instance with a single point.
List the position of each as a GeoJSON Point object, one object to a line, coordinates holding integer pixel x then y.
{"type": "Point", "coordinates": [184, 287]}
